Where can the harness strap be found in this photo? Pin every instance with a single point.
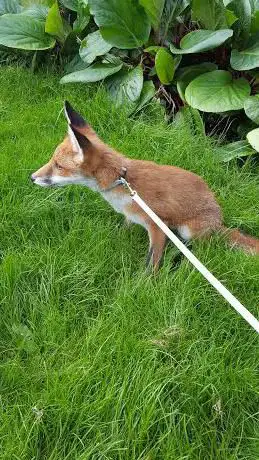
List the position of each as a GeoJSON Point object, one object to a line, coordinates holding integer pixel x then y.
{"type": "Point", "coordinates": [113, 185]}
{"type": "Point", "coordinates": [120, 181]}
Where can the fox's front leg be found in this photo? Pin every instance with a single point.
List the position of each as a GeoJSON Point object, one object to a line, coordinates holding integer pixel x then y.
{"type": "Point", "coordinates": [157, 241]}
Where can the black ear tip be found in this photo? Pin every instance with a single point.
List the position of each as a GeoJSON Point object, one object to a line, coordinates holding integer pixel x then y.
{"type": "Point", "coordinates": [74, 118]}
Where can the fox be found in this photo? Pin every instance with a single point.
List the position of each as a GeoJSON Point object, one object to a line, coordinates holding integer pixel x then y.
{"type": "Point", "coordinates": [181, 198]}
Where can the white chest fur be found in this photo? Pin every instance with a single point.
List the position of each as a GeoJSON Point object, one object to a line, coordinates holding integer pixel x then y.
{"type": "Point", "coordinates": [120, 203]}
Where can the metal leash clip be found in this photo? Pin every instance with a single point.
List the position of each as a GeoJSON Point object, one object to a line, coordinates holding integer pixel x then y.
{"type": "Point", "coordinates": [125, 183]}
{"type": "Point", "coordinates": [127, 186]}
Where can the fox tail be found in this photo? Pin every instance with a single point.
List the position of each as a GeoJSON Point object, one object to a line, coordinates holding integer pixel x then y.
{"type": "Point", "coordinates": [245, 242]}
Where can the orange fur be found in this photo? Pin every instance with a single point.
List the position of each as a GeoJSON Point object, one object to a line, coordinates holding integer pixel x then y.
{"type": "Point", "coordinates": [179, 197]}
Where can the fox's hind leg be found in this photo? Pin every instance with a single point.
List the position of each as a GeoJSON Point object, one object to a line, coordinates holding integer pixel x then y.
{"type": "Point", "coordinates": [199, 227]}
{"type": "Point", "coordinates": [157, 241]}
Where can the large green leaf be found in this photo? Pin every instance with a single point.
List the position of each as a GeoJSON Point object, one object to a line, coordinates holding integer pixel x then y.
{"type": "Point", "coordinates": [39, 12]}
{"type": "Point", "coordinates": [153, 49]}
{"type": "Point", "coordinates": [248, 58]}
{"type": "Point", "coordinates": [186, 74]}
{"type": "Point", "coordinates": [217, 92]}
{"type": "Point", "coordinates": [81, 22]}
{"type": "Point", "coordinates": [55, 25]}
{"type": "Point", "coordinates": [126, 85]}
{"type": "Point", "coordinates": [253, 138]}
{"type": "Point", "coordinates": [243, 11]}
{"type": "Point", "coordinates": [82, 18]}
{"type": "Point", "coordinates": [94, 72]}
{"type": "Point", "coordinates": [123, 24]}
{"type": "Point", "coordinates": [172, 9]}
{"type": "Point", "coordinates": [201, 40]}
{"type": "Point", "coordinates": [147, 93]}
{"type": "Point", "coordinates": [92, 46]}
{"type": "Point", "coordinates": [165, 66]}
{"type": "Point", "coordinates": [154, 9]}
{"type": "Point", "coordinates": [9, 6]}
{"type": "Point", "coordinates": [251, 107]}
{"type": "Point", "coordinates": [211, 14]}
{"type": "Point", "coordinates": [235, 150]}
{"type": "Point", "coordinates": [70, 4]}
{"type": "Point", "coordinates": [24, 32]}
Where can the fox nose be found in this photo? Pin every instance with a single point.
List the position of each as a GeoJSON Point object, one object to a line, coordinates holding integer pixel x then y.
{"type": "Point", "coordinates": [33, 177]}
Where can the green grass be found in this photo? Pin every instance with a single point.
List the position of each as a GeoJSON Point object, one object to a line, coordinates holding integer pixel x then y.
{"type": "Point", "coordinates": [119, 365]}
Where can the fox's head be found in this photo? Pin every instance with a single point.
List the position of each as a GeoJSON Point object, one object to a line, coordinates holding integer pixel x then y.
{"type": "Point", "coordinates": [76, 158]}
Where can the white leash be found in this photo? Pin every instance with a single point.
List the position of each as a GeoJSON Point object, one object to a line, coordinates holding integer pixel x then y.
{"type": "Point", "coordinates": [194, 261]}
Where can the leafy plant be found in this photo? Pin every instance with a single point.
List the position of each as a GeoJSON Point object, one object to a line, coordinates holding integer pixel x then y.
{"type": "Point", "coordinates": [195, 52]}
{"type": "Point", "coordinates": [123, 24]}
{"type": "Point", "coordinates": [217, 91]}
{"type": "Point", "coordinates": [93, 73]}
{"type": "Point", "coordinates": [165, 66]}
{"type": "Point", "coordinates": [201, 40]}
{"type": "Point", "coordinates": [39, 27]}
{"type": "Point", "coordinates": [198, 53]}
{"type": "Point", "coordinates": [24, 32]}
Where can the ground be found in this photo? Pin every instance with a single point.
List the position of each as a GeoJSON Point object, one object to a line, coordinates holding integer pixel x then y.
{"type": "Point", "coordinates": [98, 359]}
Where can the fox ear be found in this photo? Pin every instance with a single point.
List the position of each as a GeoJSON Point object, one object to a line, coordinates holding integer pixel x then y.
{"type": "Point", "coordinates": [79, 125]}
{"type": "Point", "coordinates": [75, 124]}
{"type": "Point", "coordinates": [74, 118]}
{"type": "Point", "coordinates": [78, 141]}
